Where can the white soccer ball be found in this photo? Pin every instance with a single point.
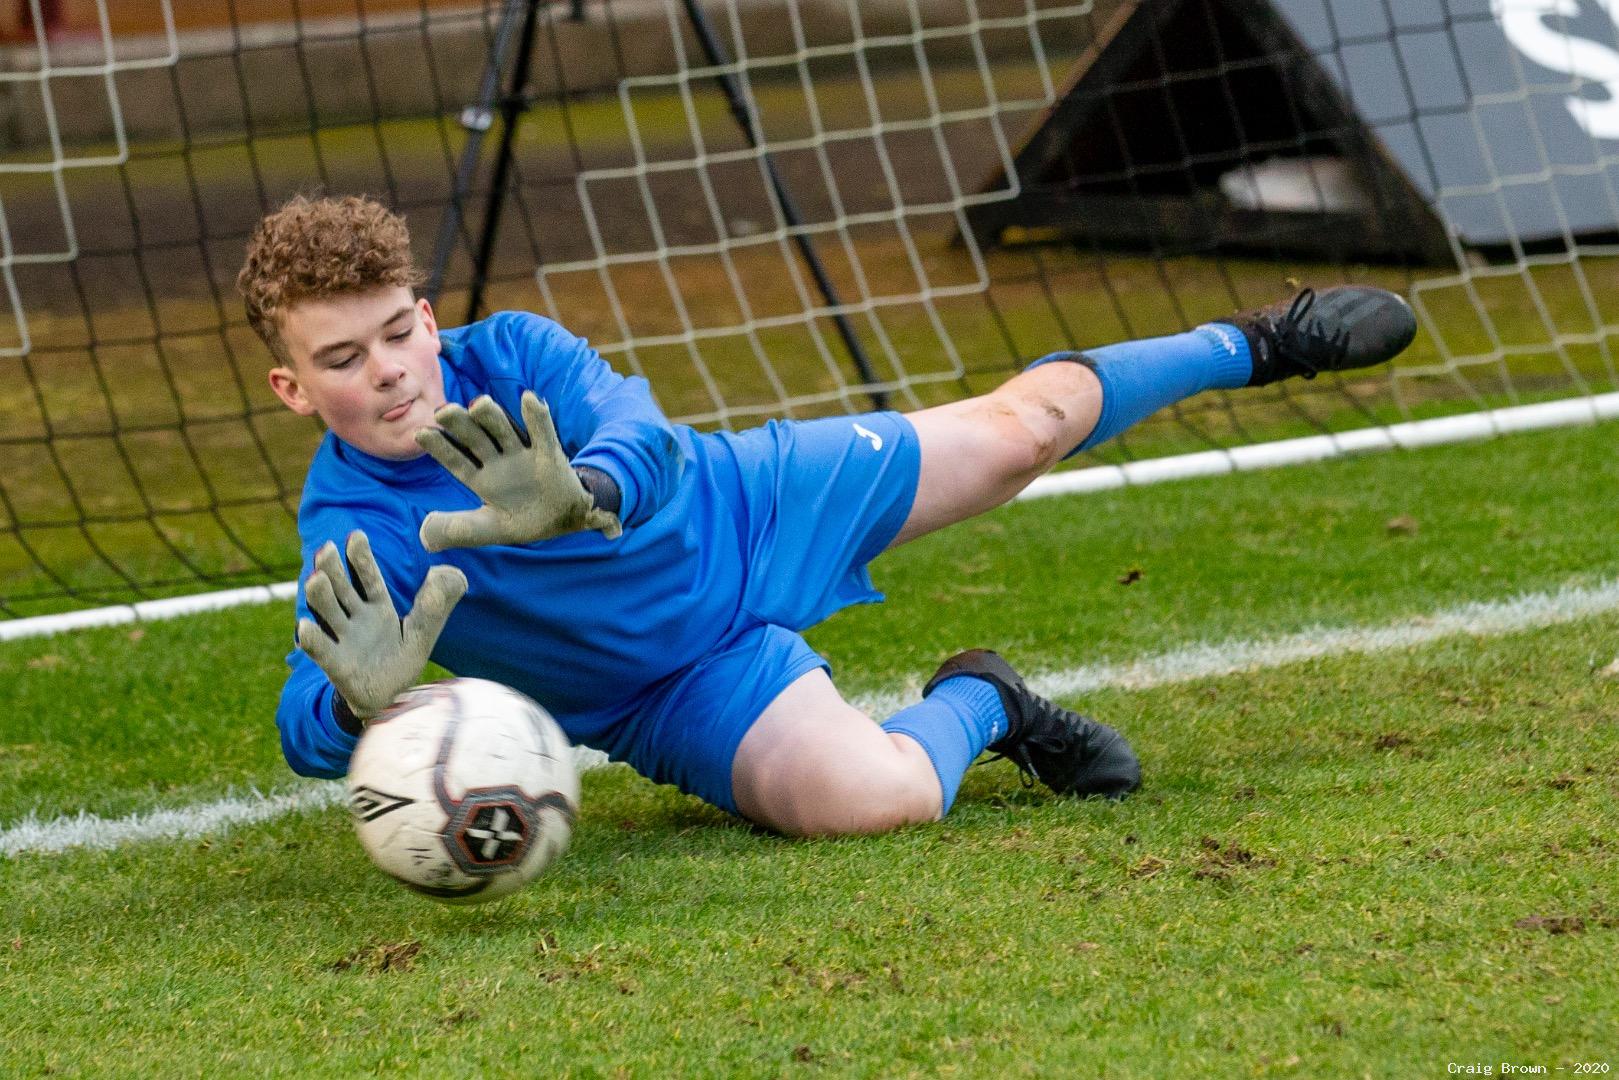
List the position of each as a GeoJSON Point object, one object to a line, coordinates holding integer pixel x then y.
{"type": "Point", "coordinates": [463, 790]}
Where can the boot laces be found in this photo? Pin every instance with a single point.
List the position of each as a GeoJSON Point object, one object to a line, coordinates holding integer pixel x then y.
{"type": "Point", "coordinates": [1311, 347]}
{"type": "Point", "coordinates": [1049, 732]}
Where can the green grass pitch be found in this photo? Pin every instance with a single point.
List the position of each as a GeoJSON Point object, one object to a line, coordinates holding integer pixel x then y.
{"type": "Point", "coordinates": [1374, 864]}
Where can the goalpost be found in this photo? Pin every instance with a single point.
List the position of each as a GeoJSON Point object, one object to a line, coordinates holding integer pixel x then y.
{"type": "Point", "coordinates": [776, 208]}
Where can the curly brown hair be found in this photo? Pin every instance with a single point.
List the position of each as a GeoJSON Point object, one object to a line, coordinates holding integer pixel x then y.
{"type": "Point", "coordinates": [317, 248]}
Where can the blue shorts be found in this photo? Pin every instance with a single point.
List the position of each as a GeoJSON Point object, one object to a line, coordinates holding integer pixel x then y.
{"type": "Point", "coordinates": [816, 501]}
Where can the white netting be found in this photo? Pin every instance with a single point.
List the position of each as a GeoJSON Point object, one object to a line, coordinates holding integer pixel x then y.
{"type": "Point", "coordinates": [930, 186]}
{"type": "Point", "coordinates": [1518, 155]}
{"type": "Point", "coordinates": [975, 183]}
{"type": "Point", "coordinates": [34, 71]}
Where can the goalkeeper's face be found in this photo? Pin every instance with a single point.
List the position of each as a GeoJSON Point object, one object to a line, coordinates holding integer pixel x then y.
{"type": "Point", "coordinates": [365, 363]}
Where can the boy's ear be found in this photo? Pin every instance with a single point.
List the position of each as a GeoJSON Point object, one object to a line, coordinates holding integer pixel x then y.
{"type": "Point", "coordinates": [428, 319]}
{"type": "Point", "coordinates": [284, 381]}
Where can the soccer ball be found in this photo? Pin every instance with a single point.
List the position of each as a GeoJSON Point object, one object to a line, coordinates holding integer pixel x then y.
{"type": "Point", "coordinates": [463, 790]}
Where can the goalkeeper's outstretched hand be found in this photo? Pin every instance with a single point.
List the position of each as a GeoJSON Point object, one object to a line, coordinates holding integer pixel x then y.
{"type": "Point", "coordinates": [369, 652]}
{"type": "Point", "coordinates": [529, 490]}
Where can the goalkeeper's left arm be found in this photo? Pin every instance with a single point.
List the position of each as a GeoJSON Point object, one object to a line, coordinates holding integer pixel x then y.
{"type": "Point", "coordinates": [613, 462]}
{"type": "Point", "coordinates": [529, 490]}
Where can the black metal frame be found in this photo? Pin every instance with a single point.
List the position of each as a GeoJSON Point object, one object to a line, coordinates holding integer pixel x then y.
{"type": "Point", "coordinates": [513, 101]}
{"type": "Point", "coordinates": [1401, 226]}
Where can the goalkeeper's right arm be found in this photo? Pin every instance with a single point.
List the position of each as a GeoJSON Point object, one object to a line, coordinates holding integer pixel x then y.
{"type": "Point", "coordinates": [356, 653]}
{"type": "Point", "coordinates": [312, 741]}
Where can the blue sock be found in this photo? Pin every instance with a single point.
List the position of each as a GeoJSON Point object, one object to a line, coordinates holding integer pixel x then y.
{"type": "Point", "coordinates": [953, 724]}
{"type": "Point", "coordinates": [1140, 377]}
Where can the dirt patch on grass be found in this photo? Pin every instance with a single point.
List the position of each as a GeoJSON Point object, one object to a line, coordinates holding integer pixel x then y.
{"type": "Point", "coordinates": [1149, 866]}
{"type": "Point", "coordinates": [1596, 916]}
{"type": "Point", "coordinates": [398, 956]}
{"type": "Point", "coordinates": [1219, 860]}
{"type": "Point", "coordinates": [1552, 924]}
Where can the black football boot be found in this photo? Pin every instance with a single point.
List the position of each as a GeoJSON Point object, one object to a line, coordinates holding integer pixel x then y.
{"type": "Point", "coordinates": [1069, 753]}
{"type": "Point", "coordinates": [1349, 326]}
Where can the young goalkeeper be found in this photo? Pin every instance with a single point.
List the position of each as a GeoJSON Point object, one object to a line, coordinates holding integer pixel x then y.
{"type": "Point", "coordinates": [537, 521]}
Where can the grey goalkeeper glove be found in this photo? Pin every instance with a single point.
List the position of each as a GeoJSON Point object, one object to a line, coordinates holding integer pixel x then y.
{"type": "Point", "coordinates": [529, 490]}
{"type": "Point", "coordinates": [369, 653]}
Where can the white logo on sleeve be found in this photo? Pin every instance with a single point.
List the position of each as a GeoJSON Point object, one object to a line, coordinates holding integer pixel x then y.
{"type": "Point", "coordinates": [875, 439]}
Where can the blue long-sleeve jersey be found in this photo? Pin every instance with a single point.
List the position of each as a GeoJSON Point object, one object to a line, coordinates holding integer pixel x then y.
{"type": "Point", "coordinates": [580, 623]}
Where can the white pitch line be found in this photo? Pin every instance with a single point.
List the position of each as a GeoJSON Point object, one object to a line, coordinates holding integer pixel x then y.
{"type": "Point", "coordinates": [1492, 618]}
{"type": "Point", "coordinates": [188, 822]}
{"type": "Point", "coordinates": [1486, 618]}
{"type": "Point", "coordinates": [179, 823]}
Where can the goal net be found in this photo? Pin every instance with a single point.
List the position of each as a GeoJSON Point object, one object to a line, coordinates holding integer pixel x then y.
{"type": "Point", "coordinates": [769, 208]}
